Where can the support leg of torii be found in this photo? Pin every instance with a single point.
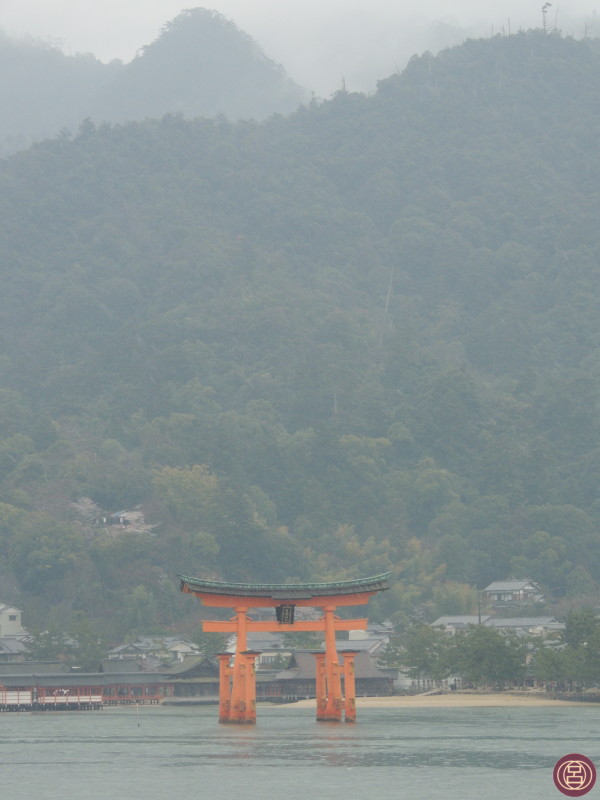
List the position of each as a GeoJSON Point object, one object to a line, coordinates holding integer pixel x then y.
{"type": "Point", "coordinates": [238, 690]}
{"type": "Point", "coordinates": [224, 686]}
{"type": "Point", "coordinates": [333, 710]}
{"type": "Point", "coordinates": [349, 685]}
{"type": "Point", "coordinates": [321, 684]}
{"type": "Point", "coordinates": [250, 656]}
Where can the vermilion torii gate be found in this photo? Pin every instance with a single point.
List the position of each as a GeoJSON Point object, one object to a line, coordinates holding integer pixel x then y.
{"type": "Point", "coordinates": [237, 694]}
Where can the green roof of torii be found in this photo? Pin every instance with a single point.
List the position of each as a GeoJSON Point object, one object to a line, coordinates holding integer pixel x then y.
{"type": "Point", "coordinates": [287, 591]}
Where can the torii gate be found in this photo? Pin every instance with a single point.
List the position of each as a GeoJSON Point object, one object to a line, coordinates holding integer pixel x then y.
{"type": "Point", "coordinates": [237, 683]}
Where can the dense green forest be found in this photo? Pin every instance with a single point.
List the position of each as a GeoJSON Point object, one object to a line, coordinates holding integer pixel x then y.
{"type": "Point", "coordinates": [200, 64]}
{"type": "Point", "coordinates": [358, 338]}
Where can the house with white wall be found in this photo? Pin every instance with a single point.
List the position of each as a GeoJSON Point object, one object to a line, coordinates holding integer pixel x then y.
{"type": "Point", "coordinates": [10, 621]}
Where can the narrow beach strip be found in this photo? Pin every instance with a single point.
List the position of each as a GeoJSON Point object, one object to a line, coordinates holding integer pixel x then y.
{"type": "Point", "coordinates": [456, 700]}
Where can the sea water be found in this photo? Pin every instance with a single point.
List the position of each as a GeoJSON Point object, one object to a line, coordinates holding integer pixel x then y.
{"type": "Point", "coordinates": [154, 753]}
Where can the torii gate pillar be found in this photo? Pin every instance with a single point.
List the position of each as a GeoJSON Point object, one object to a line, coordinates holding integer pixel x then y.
{"type": "Point", "coordinates": [224, 686]}
{"type": "Point", "coordinates": [237, 683]}
{"type": "Point", "coordinates": [334, 702]}
{"type": "Point", "coordinates": [349, 685]}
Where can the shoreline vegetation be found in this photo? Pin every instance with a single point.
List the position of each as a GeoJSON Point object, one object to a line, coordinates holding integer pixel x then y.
{"type": "Point", "coordinates": [458, 700]}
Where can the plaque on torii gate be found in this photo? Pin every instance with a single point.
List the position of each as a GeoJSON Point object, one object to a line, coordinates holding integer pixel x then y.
{"type": "Point", "coordinates": [237, 681]}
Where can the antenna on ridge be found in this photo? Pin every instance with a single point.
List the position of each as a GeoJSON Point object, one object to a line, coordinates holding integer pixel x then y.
{"type": "Point", "coordinates": [545, 8]}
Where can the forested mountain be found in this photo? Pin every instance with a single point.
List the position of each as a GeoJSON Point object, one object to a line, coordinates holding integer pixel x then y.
{"type": "Point", "coordinates": [201, 64]}
{"type": "Point", "coordinates": [363, 337]}
{"type": "Point", "coordinates": [43, 91]}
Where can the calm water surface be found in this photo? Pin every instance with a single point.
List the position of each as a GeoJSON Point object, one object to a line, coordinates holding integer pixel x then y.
{"type": "Point", "coordinates": [419, 754]}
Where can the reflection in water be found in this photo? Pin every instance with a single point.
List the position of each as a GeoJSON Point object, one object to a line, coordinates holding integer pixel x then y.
{"type": "Point", "coordinates": [449, 754]}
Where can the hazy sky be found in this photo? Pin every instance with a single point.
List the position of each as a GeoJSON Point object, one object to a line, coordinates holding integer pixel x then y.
{"type": "Point", "coordinates": [319, 42]}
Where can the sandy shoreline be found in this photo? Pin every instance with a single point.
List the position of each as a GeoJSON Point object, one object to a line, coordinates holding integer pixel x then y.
{"type": "Point", "coordinates": [456, 700]}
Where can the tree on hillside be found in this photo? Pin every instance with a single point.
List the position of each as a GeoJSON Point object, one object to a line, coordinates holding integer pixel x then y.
{"type": "Point", "coordinates": [485, 656]}
{"type": "Point", "coordinates": [89, 644]}
{"type": "Point", "coordinates": [426, 653]}
{"type": "Point", "coordinates": [52, 644]}
{"type": "Point", "coordinates": [581, 626]}
{"type": "Point", "coordinates": [210, 643]}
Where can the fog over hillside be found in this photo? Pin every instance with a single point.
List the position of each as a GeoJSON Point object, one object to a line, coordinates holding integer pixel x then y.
{"type": "Point", "coordinates": [319, 44]}
{"type": "Point", "coordinates": [258, 61]}
{"type": "Point", "coordinates": [365, 42]}
{"type": "Point", "coordinates": [201, 64]}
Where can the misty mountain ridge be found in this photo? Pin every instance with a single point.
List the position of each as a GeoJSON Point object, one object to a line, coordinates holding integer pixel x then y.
{"type": "Point", "coordinates": [42, 90]}
{"type": "Point", "coordinates": [201, 64]}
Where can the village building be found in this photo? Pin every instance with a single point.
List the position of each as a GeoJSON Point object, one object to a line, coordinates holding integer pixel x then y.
{"type": "Point", "coordinates": [373, 640]}
{"type": "Point", "coordinates": [512, 593]}
{"type": "Point", "coordinates": [13, 636]}
{"type": "Point", "coordinates": [274, 653]}
{"type": "Point", "coordinates": [527, 626]}
{"type": "Point", "coordinates": [195, 680]}
{"type": "Point", "coordinates": [10, 621]}
{"type": "Point", "coordinates": [298, 680]}
{"type": "Point", "coordinates": [521, 626]}
{"type": "Point", "coordinates": [153, 650]}
{"type": "Point", "coordinates": [12, 648]}
{"type": "Point", "coordinates": [459, 622]}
